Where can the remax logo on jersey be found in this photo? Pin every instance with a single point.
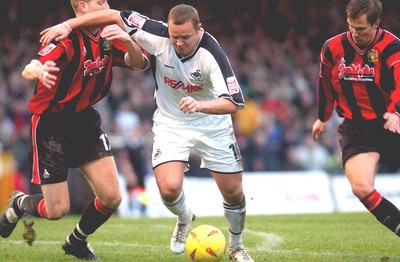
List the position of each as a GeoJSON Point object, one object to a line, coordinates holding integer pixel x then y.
{"type": "Point", "coordinates": [136, 20]}
{"type": "Point", "coordinates": [233, 85]}
{"type": "Point", "coordinates": [180, 85]}
{"type": "Point", "coordinates": [355, 72]}
{"type": "Point", "coordinates": [95, 67]}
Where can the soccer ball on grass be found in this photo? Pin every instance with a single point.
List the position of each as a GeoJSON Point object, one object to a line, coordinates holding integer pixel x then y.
{"type": "Point", "coordinates": [205, 243]}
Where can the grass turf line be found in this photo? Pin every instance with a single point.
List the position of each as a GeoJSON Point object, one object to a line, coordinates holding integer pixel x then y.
{"type": "Point", "coordinates": [306, 237]}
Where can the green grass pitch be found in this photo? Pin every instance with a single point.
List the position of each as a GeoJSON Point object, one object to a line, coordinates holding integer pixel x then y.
{"type": "Point", "coordinates": [306, 237]}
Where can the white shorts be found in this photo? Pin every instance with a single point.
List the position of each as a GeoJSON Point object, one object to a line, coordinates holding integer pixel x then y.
{"type": "Point", "coordinates": [217, 148]}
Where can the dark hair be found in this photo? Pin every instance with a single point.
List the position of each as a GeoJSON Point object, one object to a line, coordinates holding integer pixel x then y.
{"type": "Point", "coordinates": [182, 13]}
{"type": "Point", "coordinates": [357, 8]}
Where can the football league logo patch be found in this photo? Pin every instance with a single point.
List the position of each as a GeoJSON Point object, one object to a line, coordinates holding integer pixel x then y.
{"type": "Point", "coordinates": [136, 20]}
{"type": "Point", "coordinates": [233, 84]}
{"type": "Point", "coordinates": [47, 49]}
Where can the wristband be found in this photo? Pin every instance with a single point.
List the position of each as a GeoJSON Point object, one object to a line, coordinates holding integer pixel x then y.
{"type": "Point", "coordinates": [67, 26]}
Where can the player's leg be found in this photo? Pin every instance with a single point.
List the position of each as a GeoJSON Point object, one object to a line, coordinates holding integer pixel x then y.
{"type": "Point", "coordinates": [103, 178]}
{"type": "Point", "coordinates": [89, 149]}
{"type": "Point", "coordinates": [47, 162]}
{"type": "Point", "coordinates": [169, 158]}
{"type": "Point", "coordinates": [234, 205]}
{"type": "Point", "coordinates": [169, 177]}
{"type": "Point", "coordinates": [220, 154]}
{"type": "Point", "coordinates": [53, 204]}
{"type": "Point", "coordinates": [360, 170]}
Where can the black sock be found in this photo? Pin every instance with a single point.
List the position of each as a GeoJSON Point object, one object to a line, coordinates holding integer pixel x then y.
{"type": "Point", "coordinates": [388, 215]}
{"type": "Point", "coordinates": [384, 211]}
{"type": "Point", "coordinates": [29, 204]}
{"type": "Point", "coordinates": [93, 217]}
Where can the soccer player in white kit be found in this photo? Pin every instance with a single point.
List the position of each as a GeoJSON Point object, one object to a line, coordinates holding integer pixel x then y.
{"type": "Point", "coordinates": [195, 94]}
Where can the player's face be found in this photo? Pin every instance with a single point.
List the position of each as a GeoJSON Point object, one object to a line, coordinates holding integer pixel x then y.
{"type": "Point", "coordinates": [362, 32]}
{"type": "Point", "coordinates": [95, 5]}
{"type": "Point", "coordinates": [184, 38]}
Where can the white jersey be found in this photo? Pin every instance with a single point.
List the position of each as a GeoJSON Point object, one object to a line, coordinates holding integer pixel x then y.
{"type": "Point", "coordinates": [204, 75]}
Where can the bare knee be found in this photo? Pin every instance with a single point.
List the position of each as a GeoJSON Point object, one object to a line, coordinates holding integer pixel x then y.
{"type": "Point", "coordinates": [111, 200]}
{"type": "Point", "coordinates": [169, 191]}
{"type": "Point", "coordinates": [170, 194]}
{"type": "Point", "coordinates": [361, 190]}
{"type": "Point", "coordinates": [57, 212]}
{"type": "Point", "coordinates": [234, 196]}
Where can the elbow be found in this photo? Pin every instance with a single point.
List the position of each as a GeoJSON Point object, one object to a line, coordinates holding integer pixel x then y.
{"type": "Point", "coordinates": [229, 106]}
{"type": "Point", "coordinates": [138, 64]}
{"type": "Point", "coordinates": [234, 108]}
{"type": "Point", "coordinates": [141, 64]}
{"type": "Point", "coordinates": [116, 17]}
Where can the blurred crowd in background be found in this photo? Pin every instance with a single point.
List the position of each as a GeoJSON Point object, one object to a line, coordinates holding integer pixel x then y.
{"type": "Point", "coordinates": [273, 47]}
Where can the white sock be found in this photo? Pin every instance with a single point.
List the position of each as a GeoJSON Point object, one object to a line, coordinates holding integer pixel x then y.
{"type": "Point", "coordinates": [235, 215]}
{"type": "Point", "coordinates": [179, 208]}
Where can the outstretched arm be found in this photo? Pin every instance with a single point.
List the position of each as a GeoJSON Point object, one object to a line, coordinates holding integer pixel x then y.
{"type": "Point", "coordinates": [97, 18]}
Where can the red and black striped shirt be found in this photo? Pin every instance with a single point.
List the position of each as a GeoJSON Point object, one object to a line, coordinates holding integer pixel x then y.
{"type": "Point", "coordinates": [360, 84]}
{"type": "Point", "coordinates": [85, 75]}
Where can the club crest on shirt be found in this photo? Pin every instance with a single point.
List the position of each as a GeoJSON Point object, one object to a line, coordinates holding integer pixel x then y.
{"type": "Point", "coordinates": [373, 56]}
{"type": "Point", "coordinates": [196, 76]}
{"type": "Point", "coordinates": [106, 45]}
{"type": "Point", "coordinates": [47, 49]}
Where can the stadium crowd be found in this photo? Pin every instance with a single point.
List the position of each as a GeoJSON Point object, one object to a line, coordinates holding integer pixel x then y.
{"type": "Point", "coordinates": [273, 47]}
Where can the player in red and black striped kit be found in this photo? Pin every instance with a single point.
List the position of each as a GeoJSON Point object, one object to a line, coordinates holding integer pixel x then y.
{"type": "Point", "coordinates": [74, 74]}
{"type": "Point", "coordinates": [360, 78]}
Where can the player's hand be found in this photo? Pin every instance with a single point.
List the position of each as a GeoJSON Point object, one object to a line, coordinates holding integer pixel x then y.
{"type": "Point", "coordinates": [47, 75]}
{"type": "Point", "coordinates": [57, 32]}
{"type": "Point", "coordinates": [392, 122]}
{"type": "Point", "coordinates": [317, 129]}
{"type": "Point", "coordinates": [114, 32]}
{"type": "Point", "coordinates": [189, 105]}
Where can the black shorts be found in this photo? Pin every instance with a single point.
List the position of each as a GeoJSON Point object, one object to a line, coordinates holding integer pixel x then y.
{"type": "Point", "coordinates": [369, 136]}
{"type": "Point", "coordinates": [65, 140]}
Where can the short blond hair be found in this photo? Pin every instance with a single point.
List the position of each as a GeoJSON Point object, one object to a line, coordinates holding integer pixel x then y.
{"type": "Point", "coordinates": [74, 4]}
